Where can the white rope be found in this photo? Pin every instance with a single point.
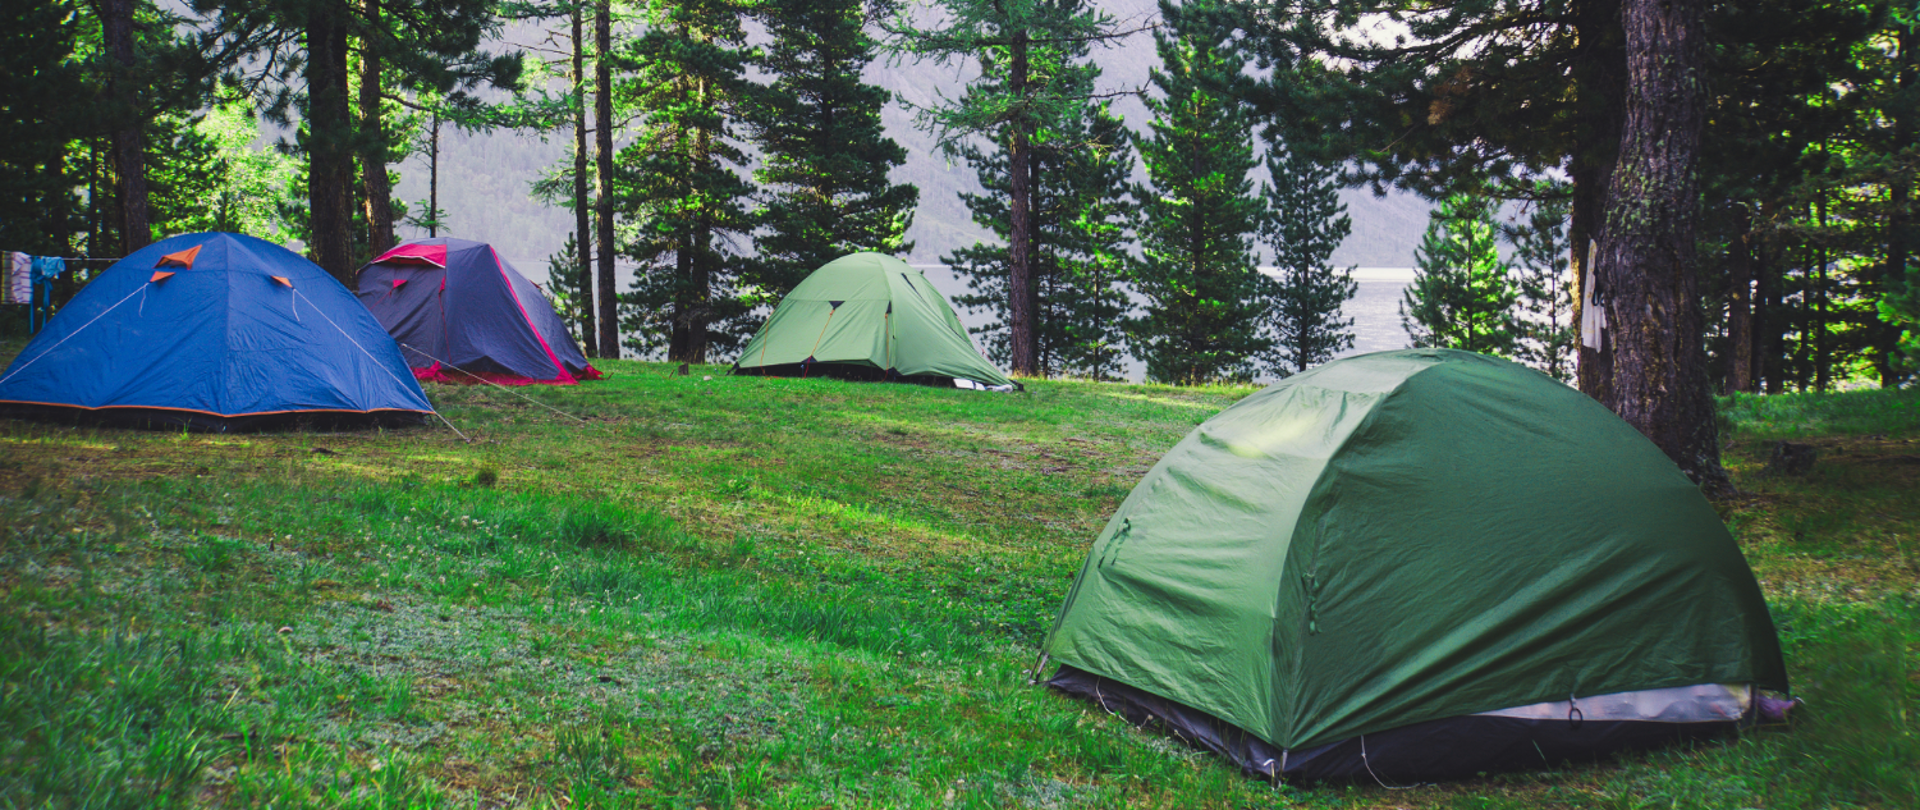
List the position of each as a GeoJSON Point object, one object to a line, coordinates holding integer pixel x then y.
{"type": "Point", "coordinates": [83, 328]}
{"type": "Point", "coordinates": [497, 385]}
{"type": "Point", "coordinates": [1376, 777]}
{"type": "Point", "coordinates": [456, 431]}
{"type": "Point", "coordinates": [376, 361]}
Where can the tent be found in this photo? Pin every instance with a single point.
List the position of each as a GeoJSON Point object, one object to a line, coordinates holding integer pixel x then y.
{"type": "Point", "coordinates": [213, 331]}
{"type": "Point", "coordinates": [1412, 565]}
{"type": "Point", "coordinates": [868, 316]}
{"type": "Point", "coordinates": [461, 313]}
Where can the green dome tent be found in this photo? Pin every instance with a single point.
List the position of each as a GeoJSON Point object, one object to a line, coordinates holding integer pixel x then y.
{"type": "Point", "coordinates": [868, 316]}
{"type": "Point", "coordinates": [1412, 565]}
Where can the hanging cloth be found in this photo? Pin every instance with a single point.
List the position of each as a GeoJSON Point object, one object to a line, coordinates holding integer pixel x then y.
{"type": "Point", "coordinates": [48, 268]}
{"type": "Point", "coordinates": [18, 286]}
{"type": "Point", "coordinates": [45, 270]}
{"type": "Point", "coordinates": [1593, 312]}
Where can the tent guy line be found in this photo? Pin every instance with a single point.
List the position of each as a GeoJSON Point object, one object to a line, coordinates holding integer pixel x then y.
{"type": "Point", "coordinates": [363, 350]}
{"type": "Point", "coordinates": [75, 333]}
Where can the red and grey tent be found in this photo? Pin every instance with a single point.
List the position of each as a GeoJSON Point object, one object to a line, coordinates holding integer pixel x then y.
{"type": "Point", "coordinates": [461, 313]}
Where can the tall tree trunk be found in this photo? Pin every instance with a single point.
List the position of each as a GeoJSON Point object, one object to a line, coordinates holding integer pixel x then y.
{"type": "Point", "coordinates": [1893, 276]}
{"type": "Point", "coordinates": [1769, 323]}
{"type": "Point", "coordinates": [583, 227]}
{"type": "Point", "coordinates": [1600, 75]}
{"type": "Point", "coordinates": [1021, 347]}
{"type": "Point", "coordinates": [1646, 262]}
{"type": "Point", "coordinates": [1740, 308]}
{"type": "Point", "coordinates": [700, 285]}
{"type": "Point", "coordinates": [373, 134]}
{"type": "Point", "coordinates": [329, 137]}
{"type": "Point", "coordinates": [1819, 323]}
{"type": "Point", "coordinates": [129, 142]}
{"type": "Point", "coordinates": [433, 177]}
{"type": "Point", "coordinates": [603, 143]}
{"type": "Point", "coordinates": [678, 316]}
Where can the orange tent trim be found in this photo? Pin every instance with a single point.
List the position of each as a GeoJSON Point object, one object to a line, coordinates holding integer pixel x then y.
{"type": "Point", "coordinates": [209, 413]}
{"type": "Point", "coordinates": [161, 275]}
{"type": "Point", "coordinates": [284, 281]}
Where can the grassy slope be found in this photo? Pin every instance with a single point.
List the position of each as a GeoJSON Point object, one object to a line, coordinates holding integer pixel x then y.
{"type": "Point", "coordinates": [752, 592]}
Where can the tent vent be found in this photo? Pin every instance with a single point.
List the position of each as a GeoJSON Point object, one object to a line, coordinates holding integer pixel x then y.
{"type": "Point", "coordinates": [180, 258]}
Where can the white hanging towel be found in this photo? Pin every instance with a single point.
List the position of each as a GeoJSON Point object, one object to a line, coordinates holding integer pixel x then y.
{"type": "Point", "coordinates": [19, 286]}
{"type": "Point", "coordinates": [1593, 317]}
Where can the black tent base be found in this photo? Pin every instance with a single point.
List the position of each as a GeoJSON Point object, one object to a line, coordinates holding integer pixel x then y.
{"type": "Point", "coordinates": [844, 371]}
{"type": "Point", "coordinates": [197, 422]}
{"type": "Point", "coordinates": [1452, 748]}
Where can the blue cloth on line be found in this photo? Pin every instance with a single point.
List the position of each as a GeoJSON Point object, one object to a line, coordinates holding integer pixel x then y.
{"type": "Point", "coordinates": [48, 268]}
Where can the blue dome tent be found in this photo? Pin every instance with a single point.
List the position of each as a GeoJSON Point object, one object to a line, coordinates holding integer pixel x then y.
{"type": "Point", "coordinates": [218, 332]}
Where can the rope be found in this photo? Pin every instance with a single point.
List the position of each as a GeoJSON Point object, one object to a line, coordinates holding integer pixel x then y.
{"type": "Point", "coordinates": [456, 431]}
{"type": "Point", "coordinates": [83, 328]}
{"type": "Point", "coordinates": [1376, 777]}
{"type": "Point", "coordinates": [376, 361]}
{"type": "Point", "coordinates": [497, 385]}
{"type": "Point", "coordinates": [817, 338]}
{"type": "Point", "coordinates": [1039, 669]}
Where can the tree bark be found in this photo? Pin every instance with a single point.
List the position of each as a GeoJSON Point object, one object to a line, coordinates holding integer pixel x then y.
{"type": "Point", "coordinates": [1740, 309]}
{"type": "Point", "coordinates": [1893, 276]}
{"type": "Point", "coordinates": [583, 227]}
{"type": "Point", "coordinates": [1646, 262]}
{"type": "Point", "coordinates": [1767, 321]}
{"type": "Point", "coordinates": [373, 133]}
{"type": "Point", "coordinates": [1021, 349]}
{"type": "Point", "coordinates": [1821, 323]}
{"type": "Point", "coordinates": [433, 177]}
{"type": "Point", "coordinates": [329, 137]}
{"type": "Point", "coordinates": [603, 143]}
{"type": "Point", "coordinates": [699, 293]}
{"type": "Point", "coordinates": [128, 140]}
{"type": "Point", "coordinates": [1600, 78]}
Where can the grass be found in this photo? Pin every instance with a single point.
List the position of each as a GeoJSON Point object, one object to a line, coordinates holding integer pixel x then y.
{"type": "Point", "coordinates": [737, 592]}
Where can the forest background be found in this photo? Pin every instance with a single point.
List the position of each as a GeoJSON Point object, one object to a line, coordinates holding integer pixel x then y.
{"type": "Point", "coordinates": [1778, 240]}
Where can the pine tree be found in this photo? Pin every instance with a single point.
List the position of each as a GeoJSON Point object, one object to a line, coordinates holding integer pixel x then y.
{"type": "Point", "coordinates": [1027, 84]}
{"type": "Point", "coordinates": [1461, 297]}
{"type": "Point", "coordinates": [1205, 297]}
{"type": "Point", "coordinates": [568, 289]}
{"type": "Point", "coordinates": [429, 47]}
{"type": "Point", "coordinates": [824, 156]}
{"type": "Point", "coordinates": [1306, 223]}
{"type": "Point", "coordinates": [1545, 329]}
{"type": "Point", "coordinates": [1078, 244]}
{"type": "Point", "coordinates": [37, 45]}
{"type": "Point", "coordinates": [682, 192]}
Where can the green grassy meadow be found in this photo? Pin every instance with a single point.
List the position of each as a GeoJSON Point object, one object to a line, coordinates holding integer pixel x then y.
{"type": "Point", "coordinates": [676, 591]}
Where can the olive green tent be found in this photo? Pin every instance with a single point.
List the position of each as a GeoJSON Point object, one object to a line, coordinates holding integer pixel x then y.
{"type": "Point", "coordinates": [1453, 560]}
{"type": "Point", "coordinates": [868, 316]}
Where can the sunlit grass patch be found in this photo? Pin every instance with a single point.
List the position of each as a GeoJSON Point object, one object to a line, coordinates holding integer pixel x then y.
{"type": "Point", "coordinates": [1850, 413]}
